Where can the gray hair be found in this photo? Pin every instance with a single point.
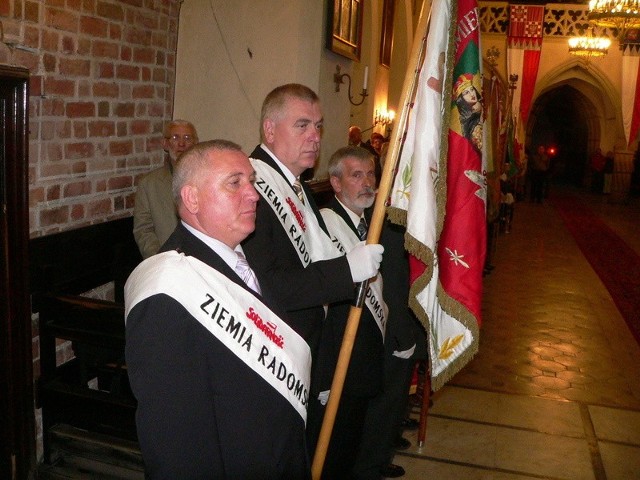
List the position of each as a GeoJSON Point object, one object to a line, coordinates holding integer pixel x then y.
{"type": "Point", "coordinates": [194, 161]}
{"type": "Point", "coordinates": [173, 123]}
{"type": "Point", "coordinates": [335, 162]}
{"type": "Point", "coordinates": [274, 102]}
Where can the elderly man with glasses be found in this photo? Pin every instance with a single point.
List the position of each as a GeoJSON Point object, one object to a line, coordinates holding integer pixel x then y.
{"type": "Point", "coordinates": [154, 212]}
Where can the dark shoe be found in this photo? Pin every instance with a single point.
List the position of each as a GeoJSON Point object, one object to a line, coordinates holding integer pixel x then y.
{"type": "Point", "coordinates": [392, 471]}
{"type": "Point", "coordinates": [410, 424]}
{"type": "Point", "coordinates": [402, 443]}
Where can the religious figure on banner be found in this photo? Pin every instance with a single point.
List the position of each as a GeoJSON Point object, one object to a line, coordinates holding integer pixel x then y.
{"type": "Point", "coordinates": [469, 105]}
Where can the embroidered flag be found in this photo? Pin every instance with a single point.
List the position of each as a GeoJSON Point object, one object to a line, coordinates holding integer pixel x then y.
{"type": "Point", "coordinates": [439, 189]}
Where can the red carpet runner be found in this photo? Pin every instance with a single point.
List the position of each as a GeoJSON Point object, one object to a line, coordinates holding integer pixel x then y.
{"type": "Point", "coordinates": [617, 264]}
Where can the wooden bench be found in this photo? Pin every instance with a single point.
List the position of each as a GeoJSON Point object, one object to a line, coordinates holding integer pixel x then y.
{"type": "Point", "coordinates": [89, 391]}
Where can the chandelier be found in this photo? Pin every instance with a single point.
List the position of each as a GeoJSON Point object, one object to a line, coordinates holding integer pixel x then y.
{"type": "Point", "coordinates": [620, 14]}
{"type": "Point", "coordinates": [589, 46]}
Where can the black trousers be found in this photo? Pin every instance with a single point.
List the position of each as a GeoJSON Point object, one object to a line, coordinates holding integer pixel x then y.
{"type": "Point", "coordinates": [345, 436]}
{"type": "Point", "coordinates": [383, 421]}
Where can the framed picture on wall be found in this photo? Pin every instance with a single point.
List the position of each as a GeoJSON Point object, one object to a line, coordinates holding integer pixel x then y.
{"type": "Point", "coordinates": [386, 37]}
{"type": "Point", "coordinates": [344, 32]}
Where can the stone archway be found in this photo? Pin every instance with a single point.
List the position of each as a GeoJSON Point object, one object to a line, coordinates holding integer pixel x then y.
{"type": "Point", "coordinates": [564, 118]}
{"type": "Point", "coordinates": [604, 113]}
{"type": "Point", "coordinates": [576, 106]}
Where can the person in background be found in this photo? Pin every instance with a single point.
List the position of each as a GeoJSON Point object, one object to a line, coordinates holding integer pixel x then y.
{"type": "Point", "coordinates": [507, 199]}
{"type": "Point", "coordinates": [609, 162]}
{"type": "Point", "coordinates": [355, 136]}
{"type": "Point", "coordinates": [539, 169]}
{"type": "Point", "coordinates": [154, 213]}
{"type": "Point", "coordinates": [376, 141]}
{"type": "Point", "coordinates": [202, 334]}
{"type": "Point", "coordinates": [597, 162]}
{"type": "Point", "coordinates": [290, 247]}
{"type": "Point", "coordinates": [374, 145]}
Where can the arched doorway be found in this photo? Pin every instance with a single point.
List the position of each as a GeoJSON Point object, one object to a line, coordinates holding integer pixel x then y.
{"type": "Point", "coordinates": [576, 109]}
{"type": "Point", "coordinates": [562, 118]}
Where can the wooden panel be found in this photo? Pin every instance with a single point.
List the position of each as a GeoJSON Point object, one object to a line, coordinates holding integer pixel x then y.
{"type": "Point", "coordinates": [17, 421]}
{"type": "Point", "coordinates": [79, 260]}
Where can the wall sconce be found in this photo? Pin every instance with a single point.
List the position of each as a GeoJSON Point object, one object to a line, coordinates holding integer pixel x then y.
{"type": "Point", "coordinates": [384, 117]}
{"type": "Point", "coordinates": [338, 79]}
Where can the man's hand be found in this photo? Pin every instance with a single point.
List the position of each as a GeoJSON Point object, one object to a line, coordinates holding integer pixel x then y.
{"type": "Point", "coordinates": [364, 261]}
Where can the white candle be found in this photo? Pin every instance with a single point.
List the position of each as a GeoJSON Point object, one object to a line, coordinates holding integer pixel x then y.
{"type": "Point", "coordinates": [366, 78]}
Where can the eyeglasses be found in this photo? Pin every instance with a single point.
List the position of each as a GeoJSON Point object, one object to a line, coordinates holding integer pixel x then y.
{"type": "Point", "coordinates": [176, 138]}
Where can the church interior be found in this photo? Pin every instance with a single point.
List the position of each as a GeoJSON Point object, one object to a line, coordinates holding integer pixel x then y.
{"type": "Point", "coordinates": [86, 87]}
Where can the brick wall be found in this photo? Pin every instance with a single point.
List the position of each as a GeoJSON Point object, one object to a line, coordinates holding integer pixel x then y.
{"type": "Point", "coordinates": [102, 83]}
{"type": "Point", "coordinates": [101, 87]}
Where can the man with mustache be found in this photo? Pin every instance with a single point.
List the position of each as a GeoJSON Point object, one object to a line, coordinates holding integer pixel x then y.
{"type": "Point", "coordinates": [202, 334]}
{"type": "Point", "coordinates": [352, 177]}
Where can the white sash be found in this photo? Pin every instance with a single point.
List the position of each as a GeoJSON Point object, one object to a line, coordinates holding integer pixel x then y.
{"type": "Point", "coordinates": [345, 239]}
{"type": "Point", "coordinates": [298, 220]}
{"type": "Point", "coordinates": [252, 332]}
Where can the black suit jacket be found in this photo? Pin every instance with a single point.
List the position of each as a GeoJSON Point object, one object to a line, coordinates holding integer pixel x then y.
{"type": "Point", "coordinates": [365, 372]}
{"type": "Point", "coordinates": [202, 412]}
{"type": "Point", "coordinates": [302, 291]}
{"type": "Point", "coordinates": [403, 329]}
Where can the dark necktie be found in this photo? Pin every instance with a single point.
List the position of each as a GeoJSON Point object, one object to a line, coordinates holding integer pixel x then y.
{"type": "Point", "coordinates": [362, 229]}
{"type": "Point", "coordinates": [246, 274]}
{"type": "Point", "coordinates": [297, 187]}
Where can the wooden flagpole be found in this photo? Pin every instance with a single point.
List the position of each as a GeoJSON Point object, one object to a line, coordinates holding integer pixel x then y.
{"type": "Point", "coordinates": [377, 220]}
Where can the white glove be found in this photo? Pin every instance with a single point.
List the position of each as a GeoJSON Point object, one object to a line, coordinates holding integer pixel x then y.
{"type": "Point", "coordinates": [364, 261]}
{"type": "Point", "coordinates": [324, 397]}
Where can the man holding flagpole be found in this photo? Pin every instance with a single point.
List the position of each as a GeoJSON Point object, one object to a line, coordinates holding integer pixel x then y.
{"type": "Point", "coordinates": [352, 177]}
{"type": "Point", "coordinates": [290, 248]}
{"type": "Point", "coordinates": [372, 371]}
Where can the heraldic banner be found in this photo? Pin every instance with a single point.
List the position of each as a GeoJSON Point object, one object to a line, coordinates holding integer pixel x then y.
{"type": "Point", "coordinates": [523, 58]}
{"type": "Point", "coordinates": [439, 190]}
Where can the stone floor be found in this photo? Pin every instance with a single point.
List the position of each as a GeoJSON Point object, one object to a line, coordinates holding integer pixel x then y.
{"type": "Point", "coordinates": [554, 391]}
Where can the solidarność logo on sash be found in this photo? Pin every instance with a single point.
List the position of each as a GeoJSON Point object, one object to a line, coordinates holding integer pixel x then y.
{"type": "Point", "coordinates": [238, 319]}
{"type": "Point", "coordinates": [298, 220]}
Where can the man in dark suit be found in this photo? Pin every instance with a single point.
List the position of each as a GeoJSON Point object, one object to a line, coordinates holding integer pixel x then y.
{"type": "Point", "coordinates": [290, 248]}
{"type": "Point", "coordinates": [222, 382]}
{"type": "Point", "coordinates": [381, 397]}
{"type": "Point", "coordinates": [404, 342]}
{"type": "Point", "coordinates": [352, 177]}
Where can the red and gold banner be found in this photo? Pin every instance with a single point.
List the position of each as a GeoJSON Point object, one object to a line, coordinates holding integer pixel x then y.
{"type": "Point", "coordinates": [440, 190]}
{"type": "Point", "coordinates": [524, 42]}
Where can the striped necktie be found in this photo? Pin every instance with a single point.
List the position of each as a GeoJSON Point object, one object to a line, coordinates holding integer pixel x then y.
{"type": "Point", "coordinates": [362, 229]}
{"type": "Point", "coordinates": [297, 187]}
{"type": "Point", "coordinates": [246, 274]}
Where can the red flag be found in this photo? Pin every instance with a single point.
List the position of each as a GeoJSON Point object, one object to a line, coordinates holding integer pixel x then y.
{"type": "Point", "coordinates": [462, 244]}
{"type": "Point", "coordinates": [440, 189]}
{"type": "Point", "coordinates": [525, 42]}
